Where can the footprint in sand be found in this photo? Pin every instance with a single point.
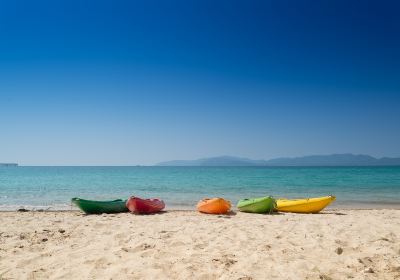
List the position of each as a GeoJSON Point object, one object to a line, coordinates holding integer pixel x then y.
{"type": "Point", "coordinates": [177, 243]}
{"type": "Point", "coordinates": [143, 247]}
{"type": "Point", "coordinates": [101, 263]}
{"type": "Point", "coordinates": [226, 260]}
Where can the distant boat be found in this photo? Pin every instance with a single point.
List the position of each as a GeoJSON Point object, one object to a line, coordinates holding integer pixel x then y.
{"type": "Point", "coordinates": [9, 164]}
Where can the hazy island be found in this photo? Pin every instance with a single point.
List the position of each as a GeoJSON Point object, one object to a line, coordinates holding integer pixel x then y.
{"type": "Point", "coordinates": [315, 160]}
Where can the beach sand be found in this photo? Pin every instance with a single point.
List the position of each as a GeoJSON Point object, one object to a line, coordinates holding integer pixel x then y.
{"type": "Point", "coordinates": [338, 244]}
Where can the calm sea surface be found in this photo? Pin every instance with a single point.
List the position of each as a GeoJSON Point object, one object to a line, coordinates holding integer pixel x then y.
{"type": "Point", "coordinates": [182, 187]}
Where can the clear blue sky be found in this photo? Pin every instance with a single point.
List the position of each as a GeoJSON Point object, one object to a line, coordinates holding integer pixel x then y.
{"type": "Point", "coordinates": [137, 82]}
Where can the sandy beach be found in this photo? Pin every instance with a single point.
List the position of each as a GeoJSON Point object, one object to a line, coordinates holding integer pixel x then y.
{"type": "Point", "coordinates": [338, 244]}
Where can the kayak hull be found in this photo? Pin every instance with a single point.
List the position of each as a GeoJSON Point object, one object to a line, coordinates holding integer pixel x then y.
{"type": "Point", "coordinates": [305, 205]}
{"type": "Point", "coordinates": [260, 205]}
{"type": "Point", "coordinates": [144, 206]}
{"type": "Point", "coordinates": [214, 206]}
{"type": "Point", "coordinates": [100, 207]}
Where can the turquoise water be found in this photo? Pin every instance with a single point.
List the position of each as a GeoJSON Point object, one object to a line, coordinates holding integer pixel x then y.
{"type": "Point", "coordinates": [182, 187]}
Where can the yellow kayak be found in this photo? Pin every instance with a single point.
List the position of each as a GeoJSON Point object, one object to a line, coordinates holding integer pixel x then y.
{"type": "Point", "coordinates": [304, 205]}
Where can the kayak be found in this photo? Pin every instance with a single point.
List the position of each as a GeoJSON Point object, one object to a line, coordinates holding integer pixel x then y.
{"type": "Point", "coordinates": [100, 207]}
{"type": "Point", "coordinates": [144, 206]}
{"type": "Point", "coordinates": [304, 205]}
{"type": "Point", "coordinates": [214, 206]}
{"type": "Point", "coordinates": [260, 205]}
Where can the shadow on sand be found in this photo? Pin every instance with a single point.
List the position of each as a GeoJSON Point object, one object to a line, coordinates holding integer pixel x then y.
{"type": "Point", "coordinates": [333, 213]}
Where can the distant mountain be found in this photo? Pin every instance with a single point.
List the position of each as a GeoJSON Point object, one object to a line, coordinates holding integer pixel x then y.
{"type": "Point", "coordinates": [215, 161]}
{"type": "Point", "coordinates": [318, 160]}
{"type": "Point", "coordinates": [327, 160]}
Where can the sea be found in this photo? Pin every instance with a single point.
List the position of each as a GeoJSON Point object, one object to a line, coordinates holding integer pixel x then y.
{"type": "Point", "coordinates": [51, 188]}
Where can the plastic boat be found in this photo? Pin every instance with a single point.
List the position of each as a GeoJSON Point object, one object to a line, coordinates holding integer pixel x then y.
{"type": "Point", "coordinates": [214, 206]}
{"type": "Point", "coordinates": [304, 205]}
{"type": "Point", "coordinates": [144, 206]}
{"type": "Point", "coordinates": [259, 205]}
{"type": "Point", "coordinates": [100, 207]}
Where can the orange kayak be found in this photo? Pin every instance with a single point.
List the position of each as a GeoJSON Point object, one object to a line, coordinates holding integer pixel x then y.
{"type": "Point", "coordinates": [214, 206]}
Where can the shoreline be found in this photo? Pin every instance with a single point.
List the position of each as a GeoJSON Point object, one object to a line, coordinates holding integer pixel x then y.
{"type": "Point", "coordinates": [172, 210]}
{"type": "Point", "coordinates": [341, 204]}
{"type": "Point", "coordinates": [340, 207]}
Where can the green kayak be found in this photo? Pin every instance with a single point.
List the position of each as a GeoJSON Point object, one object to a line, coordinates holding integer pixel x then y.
{"type": "Point", "coordinates": [260, 205]}
{"type": "Point", "coordinates": [100, 207]}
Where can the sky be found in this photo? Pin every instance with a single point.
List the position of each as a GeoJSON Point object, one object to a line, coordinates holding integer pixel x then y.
{"type": "Point", "coordinates": [139, 82]}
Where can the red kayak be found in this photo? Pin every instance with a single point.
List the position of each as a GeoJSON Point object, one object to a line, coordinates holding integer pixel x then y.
{"type": "Point", "coordinates": [144, 206]}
